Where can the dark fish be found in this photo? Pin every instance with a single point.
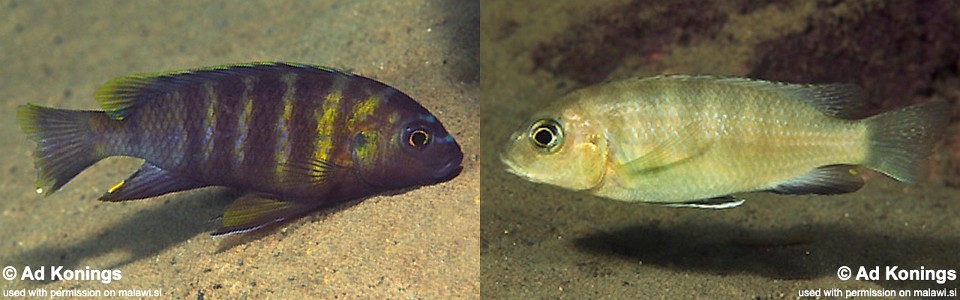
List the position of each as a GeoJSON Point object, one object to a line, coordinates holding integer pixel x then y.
{"type": "Point", "coordinates": [298, 138]}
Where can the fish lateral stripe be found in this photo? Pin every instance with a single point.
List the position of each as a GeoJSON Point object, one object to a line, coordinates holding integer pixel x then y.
{"type": "Point", "coordinates": [327, 116]}
{"type": "Point", "coordinates": [363, 110]}
{"type": "Point", "coordinates": [303, 137]}
{"type": "Point", "coordinates": [209, 121]}
{"type": "Point", "coordinates": [178, 137]}
{"type": "Point", "coordinates": [194, 113]}
{"type": "Point", "coordinates": [282, 151]}
{"type": "Point", "coordinates": [262, 136]}
{"type": "Point", "coordinates": [243, 123]}
{"type": "Point", "coordinates": [222, 96]}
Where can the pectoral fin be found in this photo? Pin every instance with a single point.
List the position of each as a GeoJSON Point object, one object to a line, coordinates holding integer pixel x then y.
{"type": "Point", "coordinates": [308, 174]}
{"type": "Point", "coordinates": [149, 181]}
{"type": "Point", "coordinates": [712, 203]}
{"type": "Point", "coordinates": [252, 212]}
{"type": "Point", "coordinates": [672, 152]}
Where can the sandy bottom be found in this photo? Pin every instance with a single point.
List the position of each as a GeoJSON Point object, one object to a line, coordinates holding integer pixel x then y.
{"type": "Point", "coordinates": [547, 242]}
{"type": "Point", "coordinates": [420, 244]}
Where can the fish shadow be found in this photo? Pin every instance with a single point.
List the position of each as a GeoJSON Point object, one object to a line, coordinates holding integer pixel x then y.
{"type": "Point", "coordinates": [800, 253]}
{"type": "Point", "coordinates": [142, 235]}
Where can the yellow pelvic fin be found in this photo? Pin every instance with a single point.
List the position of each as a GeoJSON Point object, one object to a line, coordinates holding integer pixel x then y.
{"type": "Point", "coordinates": [252, 212]}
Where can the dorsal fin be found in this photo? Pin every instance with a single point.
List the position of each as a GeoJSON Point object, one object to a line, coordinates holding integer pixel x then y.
{"type": "Point", "coordinates": [835, 99]}
{"type": "Point", "coordinates": [120, 96]}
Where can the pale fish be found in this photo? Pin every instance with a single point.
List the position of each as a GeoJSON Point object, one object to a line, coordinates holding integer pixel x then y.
{"type": "Point", "coordinates": [696, 140]}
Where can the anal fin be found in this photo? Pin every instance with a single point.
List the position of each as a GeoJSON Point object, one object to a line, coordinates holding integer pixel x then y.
{"type": "Point", "coordinates": [826, 180]}
{"type": "Point", "coordinates": [251, 212]}
{"type": "Point", "coordinates": [711, 203]}
{"type": "Point", "coordinates": [149, 181]}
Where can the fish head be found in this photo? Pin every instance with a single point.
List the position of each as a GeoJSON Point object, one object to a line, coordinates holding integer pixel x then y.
{"type": "Point", "coordinates": [413, 150]}
{"type": "Point", "coordinates": [563, 149]}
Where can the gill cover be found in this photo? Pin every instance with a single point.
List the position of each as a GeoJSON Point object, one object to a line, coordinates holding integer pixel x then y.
{"type": "Point", "coordinates": [416, 152]}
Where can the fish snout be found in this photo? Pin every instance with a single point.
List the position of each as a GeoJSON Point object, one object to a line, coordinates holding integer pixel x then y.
{"type": "Point", "coordinates": [449, 169]}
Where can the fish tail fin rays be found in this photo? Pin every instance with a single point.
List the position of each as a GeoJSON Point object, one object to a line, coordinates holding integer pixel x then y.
{"type": "Point", "coordinates": [252, 212]}
{"type": "Point", "coordinates": [899, 141]}
{"type": "Point", "coordinates": [65, 146]}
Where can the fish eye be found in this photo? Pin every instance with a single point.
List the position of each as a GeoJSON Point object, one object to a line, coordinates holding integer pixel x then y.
{"type": "Point", "coordinates": [418, 138]}
{"type": "Point", "coordinates": [546, 134]}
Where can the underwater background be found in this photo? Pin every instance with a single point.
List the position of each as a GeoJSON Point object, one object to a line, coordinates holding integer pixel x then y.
{"type": "Point", "coordinates": [534, 240]}
{"type": "Point", "coordinates": [419, 244]}
{"type": "Point", "coordinates": [543, 241]}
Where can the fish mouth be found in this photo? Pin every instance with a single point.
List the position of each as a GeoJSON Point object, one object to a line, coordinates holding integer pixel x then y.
{"type": "Point", "coordinates": [512, 167]}
{"type": "Point", "coordinates": [511, 164]}
{"type": "Point", "coordinates": [449, 170]}
{"type": "Point", "coordinates": [452, 167]}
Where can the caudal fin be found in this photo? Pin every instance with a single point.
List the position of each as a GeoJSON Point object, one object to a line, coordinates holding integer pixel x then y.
{"type": "Point", "coordinates": [900, 141]}
{"type": "Point", "coordinates": [65, 144]}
